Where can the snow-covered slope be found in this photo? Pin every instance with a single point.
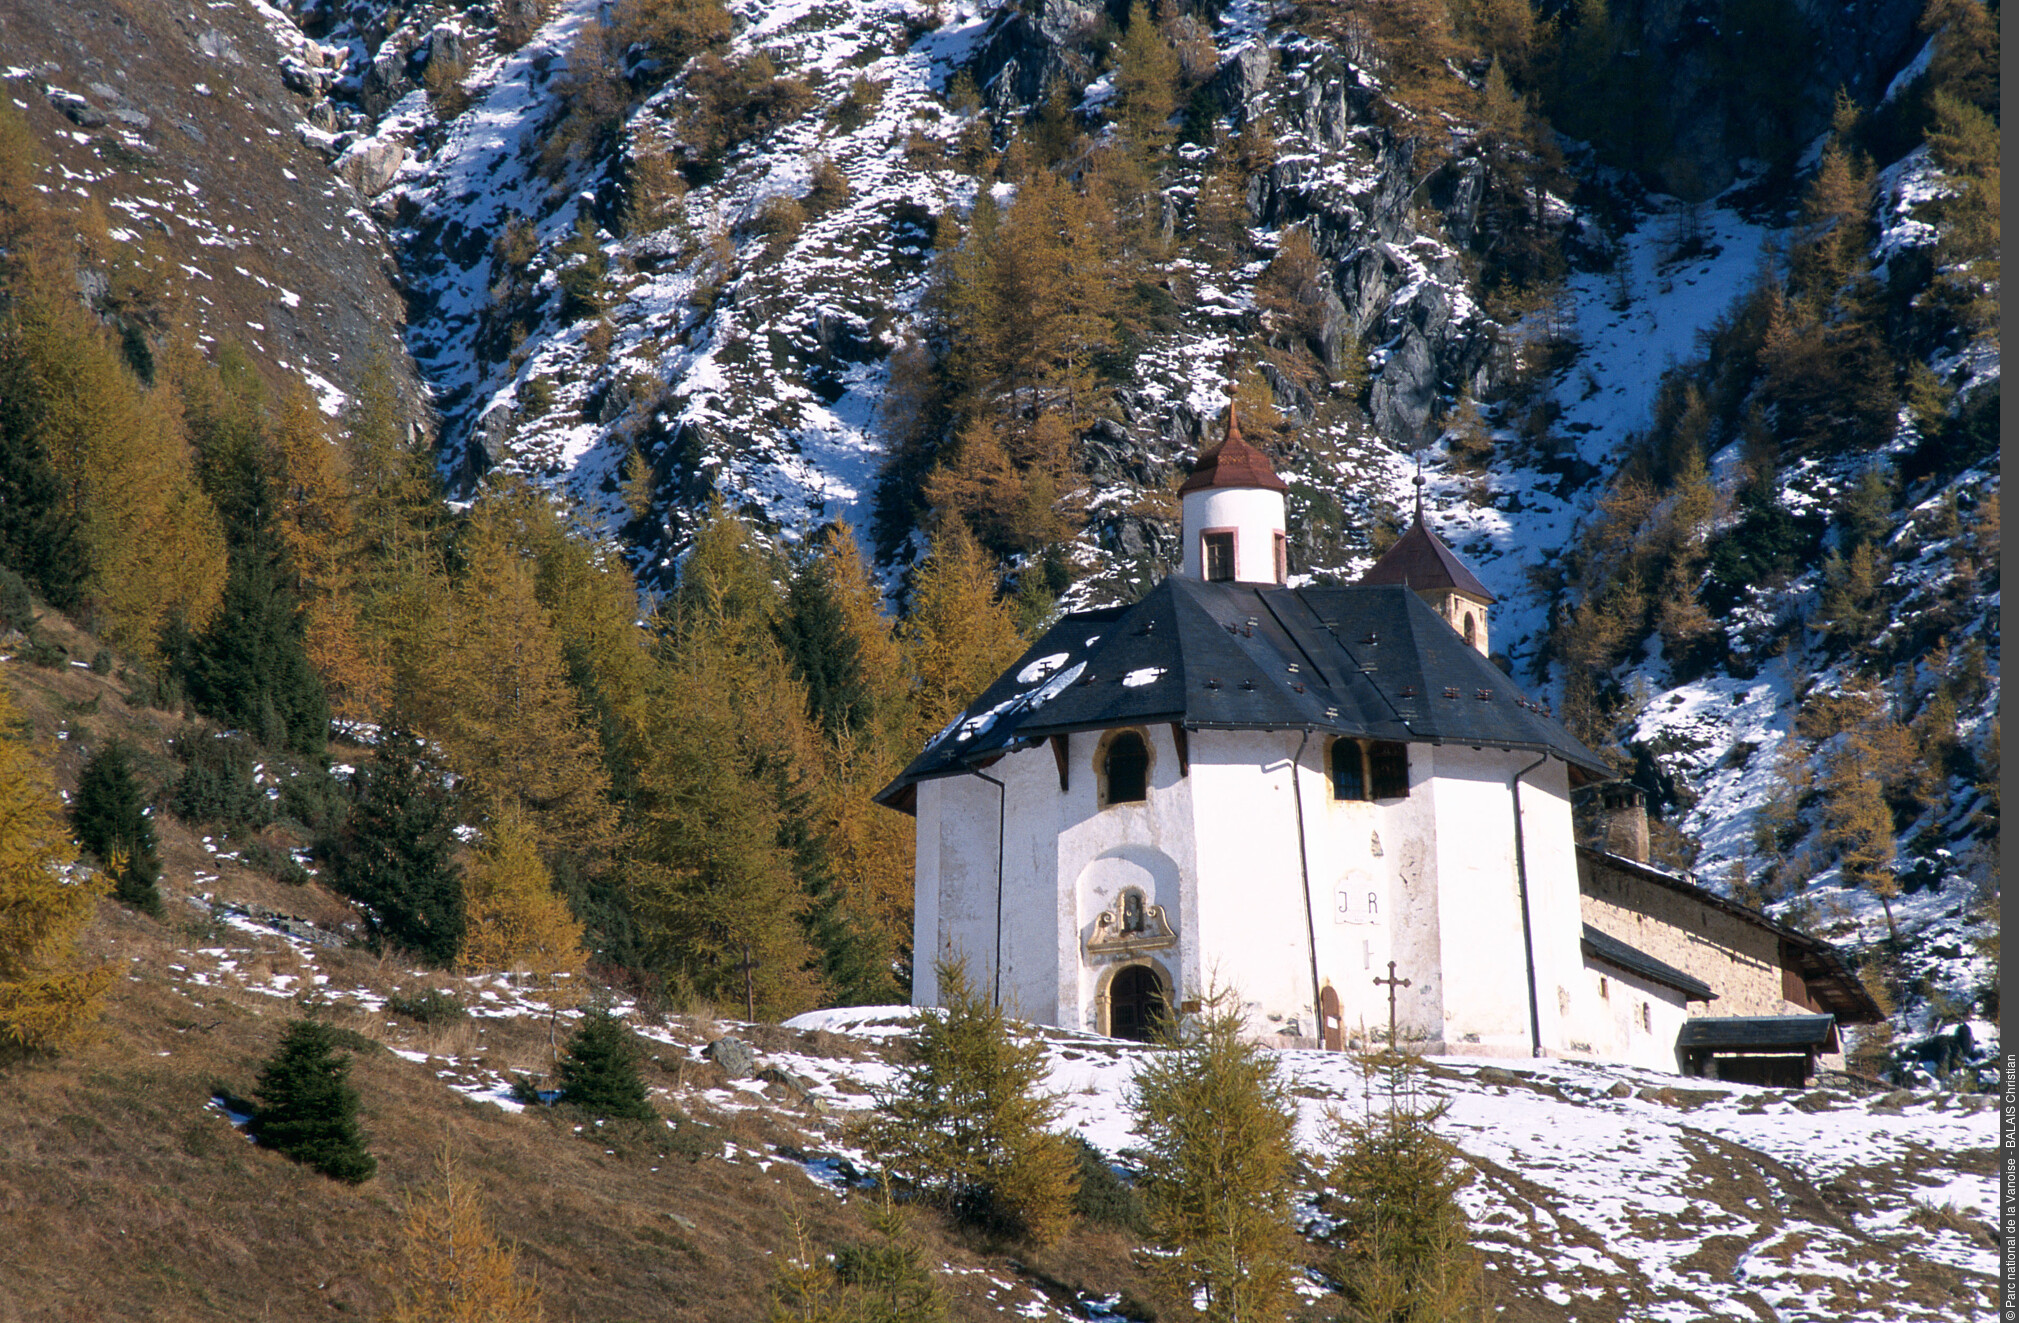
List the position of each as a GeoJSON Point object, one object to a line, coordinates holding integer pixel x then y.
{"type": "Point", "coordinates": [1597, 1192]}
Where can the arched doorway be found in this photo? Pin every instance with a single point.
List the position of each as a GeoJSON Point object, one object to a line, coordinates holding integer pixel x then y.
{"type": "Point", "coordinates": [1136, 1003]}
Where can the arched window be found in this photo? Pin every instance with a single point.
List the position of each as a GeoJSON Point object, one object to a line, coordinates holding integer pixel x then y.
{"type": "Point", "coordinates": [1125, 769]}
{"type": "Point", "coordinates": [1349, 769]}
{"type": "Point", "coordinates": [1471, 635]}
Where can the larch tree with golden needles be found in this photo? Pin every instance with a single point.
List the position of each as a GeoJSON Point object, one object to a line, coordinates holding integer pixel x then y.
{"type": "Point", "coordinates": [49, 997]}
{"type": "Point", "coordinates": [869, 848]}
{"type": "Point", "coordinates": [957, 637]}
{"type": "Point", "coordinates": [448, 1265]}
{"type": "Point", "coordinates": [513, 723]}
{"type": "Point", "coordinates": [1218, 1127]}
{"type": "Point", "coordinates": [513, 920]}
{"type": "Point", "coordinates": [152, 538]}
{"type": "Point", "coordinates": [1146, 82]}
{"type": "Point", "coordinates": [969, 1122]}
{"type": "Point", "coordinates": [317, 523]}
{"type": "Point", "coordinates": [725, 870]}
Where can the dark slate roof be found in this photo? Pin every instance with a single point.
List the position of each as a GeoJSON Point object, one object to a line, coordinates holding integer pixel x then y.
{"type": "Point", "coordinates": [1371, 662]}
{"type": "Point", "coordinates": [1760, 1033]}
{"type": "Point", "coordinates": [1604, 946]}
{"type": "Point", "coordinates": [1233, 463]}
{"type": "Point", "coordinates": [1829, 977]}
{"type": "Point", "coordinates": [1420, 560]}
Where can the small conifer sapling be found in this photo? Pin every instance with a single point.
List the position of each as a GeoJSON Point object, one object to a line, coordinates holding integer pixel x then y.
{"type": "Point", "coordinates": [111, 822]}
{"type": "Point", "coordinates": [599, 1073]}
{"type": "Point", "coordinates": [970, 1123]}
{"type": "Point", "coordinates": [1219, 1157]}
{"type": "Point", "coordinates": [307, 1107]}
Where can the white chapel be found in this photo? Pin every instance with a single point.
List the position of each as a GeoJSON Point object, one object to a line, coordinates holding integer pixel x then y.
{"type": "Point", "coordinates": [1280, 791]}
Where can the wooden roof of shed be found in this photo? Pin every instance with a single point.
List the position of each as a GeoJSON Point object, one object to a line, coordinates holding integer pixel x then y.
{"type": "Point", "coordinates": [1760, 1033]}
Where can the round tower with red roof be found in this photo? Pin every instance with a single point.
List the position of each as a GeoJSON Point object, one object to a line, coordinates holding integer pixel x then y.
{"type": "Point", "coordinates": [1234, 518]}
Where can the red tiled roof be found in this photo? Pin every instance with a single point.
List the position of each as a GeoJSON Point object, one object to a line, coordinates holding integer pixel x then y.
{"type": "Point", "coordinates": [1232, 463]}
{"type": "Point", "coordinates": [1420, 560]}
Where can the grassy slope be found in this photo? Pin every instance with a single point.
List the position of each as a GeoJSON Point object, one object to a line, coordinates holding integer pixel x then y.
{"type": "Point", "coordinates": [124, 1194]}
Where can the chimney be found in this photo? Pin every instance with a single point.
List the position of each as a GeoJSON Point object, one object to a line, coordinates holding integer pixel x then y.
{"type": "Point", "coordinates": [1625, 813]}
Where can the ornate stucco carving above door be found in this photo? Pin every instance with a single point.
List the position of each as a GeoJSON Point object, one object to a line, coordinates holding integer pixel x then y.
{"type": "Point", "coordinates": [1131, 926]}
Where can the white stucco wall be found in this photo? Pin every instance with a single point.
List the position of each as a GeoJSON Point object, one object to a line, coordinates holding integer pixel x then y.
{"type": "Point", "coordinates": [1254, 932]}
{"type": "Point", "coordinates": [1607, 1020]}
{"type": "Point", "coordinates": [1103, 850]}
{"type": "Point", "coordinates": [1427, 880]}
{"type": "Point", "coordinates": [1255, 513]}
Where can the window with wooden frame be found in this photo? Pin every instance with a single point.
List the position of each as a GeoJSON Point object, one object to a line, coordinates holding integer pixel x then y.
{"type": "Point", "coordinates": [1349, 769]}
{"type": "Point", "coordinates": [1387, 770]}
{"type": "Point", "coordinates": [1124, 768]}
{"type": "Point", "coordinates": [1282, 558]}
{"type": "Point", "coordinates": [1216, 551]}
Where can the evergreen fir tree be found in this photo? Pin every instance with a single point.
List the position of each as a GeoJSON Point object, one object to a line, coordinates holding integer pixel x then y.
{"type": "Point", "coordinates": [250, 669]}
{"type": "Point", "coordinates": [394, 852]}
{"type": "Point", "coordinates": [969, 1121]}
{"type": "Point", "coordinates": [39, 535]}
{"type": "Point", "coordinates": [1220, 1154]}
{"type": "Point", "coordinates": [111, 822]}
{"type": "Point", "coordinates": [599, 1073]}
{"type": "Point", "coordinates": [48, 996]}
{"type": "Point", "coordinates": [307, 1107]}
{"type": "Point", "coordinates": [823, 653]}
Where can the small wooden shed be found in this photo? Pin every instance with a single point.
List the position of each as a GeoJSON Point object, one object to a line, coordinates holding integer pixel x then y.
{"type": "Point", "coordinates": [1778, 1051]}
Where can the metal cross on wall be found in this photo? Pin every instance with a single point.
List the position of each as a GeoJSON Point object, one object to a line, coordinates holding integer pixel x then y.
{"type": "Point", "coordinates": [1393, 983]}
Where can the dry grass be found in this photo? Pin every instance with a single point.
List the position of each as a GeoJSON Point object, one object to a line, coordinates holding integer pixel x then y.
{"type": "Point", "coordinates": [125, 1194]}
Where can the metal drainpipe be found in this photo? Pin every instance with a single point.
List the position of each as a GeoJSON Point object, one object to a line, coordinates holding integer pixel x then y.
{"type": "Point", "coordinates": [1304, 863]}
{"type": "Point", "coordinates": [1527, 927]}
{"type": "Point", "coordinates": [1001, 812]}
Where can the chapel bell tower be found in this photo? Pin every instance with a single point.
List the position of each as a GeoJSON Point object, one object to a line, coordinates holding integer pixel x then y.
{"type": "Point", "coordinates": [1234, 525]}
{"type": "Point", "coordinates": [1420, 560]}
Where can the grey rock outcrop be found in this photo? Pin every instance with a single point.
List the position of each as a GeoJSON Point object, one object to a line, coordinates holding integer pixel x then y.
{"type": "Point", "coordinates": [386, 81]}
{"type": "Point", "coordinates": [1239, 83]}
{"type": "Point", "coordinates": [736, 1057]}
{"type": "Point", "coordinates": [1026, 47]}
{"type": "Point", "coordinates": [445, 45]}
{"type": "Point", "coordinates": [371, 164]}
